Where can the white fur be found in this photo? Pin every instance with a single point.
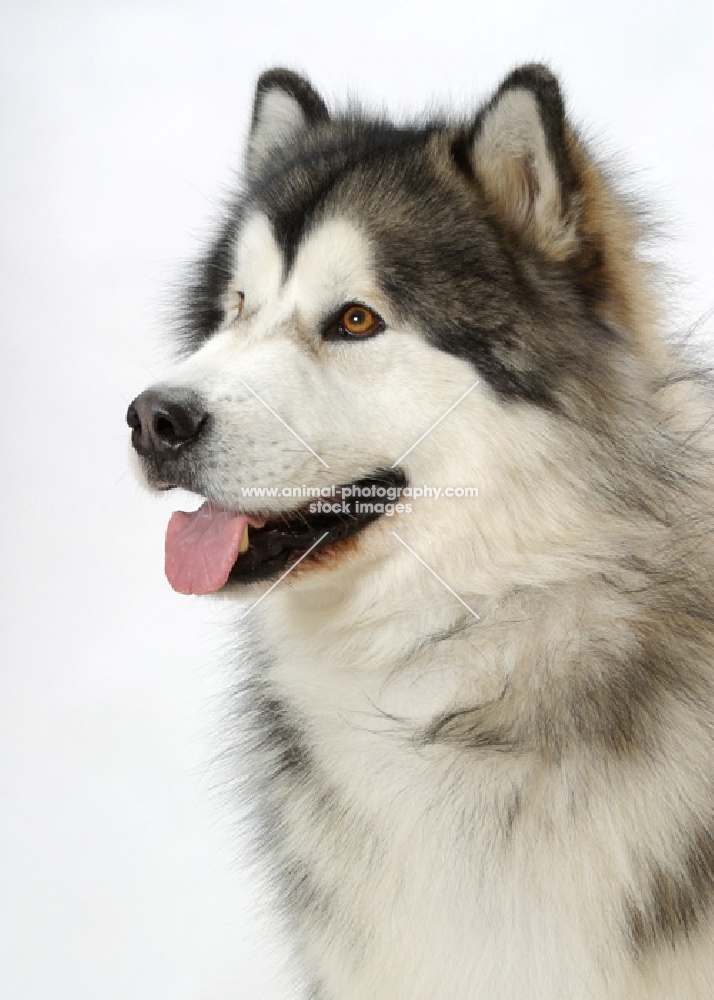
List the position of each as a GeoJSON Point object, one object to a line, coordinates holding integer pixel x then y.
{"type": "Point", "coordinates": [418, 862]}
{"type": "Point", "coordinates": [275, 348]}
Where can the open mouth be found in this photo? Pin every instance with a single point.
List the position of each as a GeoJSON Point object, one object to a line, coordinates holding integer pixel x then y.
{"type": "Point", "coordinates": [214, 546]}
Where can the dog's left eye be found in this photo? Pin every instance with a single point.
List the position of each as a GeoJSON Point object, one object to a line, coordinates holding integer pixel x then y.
{"type": "Point", "coordinates": [356, 321]}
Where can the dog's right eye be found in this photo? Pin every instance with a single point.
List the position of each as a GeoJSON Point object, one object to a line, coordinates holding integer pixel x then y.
{"type": "Point", "coordinates": [355, 321]}
{"type": "Point", "coordinates": [234, 307]}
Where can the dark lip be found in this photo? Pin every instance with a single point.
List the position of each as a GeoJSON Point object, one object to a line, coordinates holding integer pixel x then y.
{"type": "Point", "coordinates": [284, 538]}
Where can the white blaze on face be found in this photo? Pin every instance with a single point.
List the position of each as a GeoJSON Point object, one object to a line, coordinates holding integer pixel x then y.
{"type": "Point", "coordinates": [258, 265]}
{"type": "Point", "coordinates": [333, 267]}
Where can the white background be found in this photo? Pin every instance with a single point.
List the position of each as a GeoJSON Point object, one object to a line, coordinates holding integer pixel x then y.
{"type": "Point", "coordinates": [122, 874]}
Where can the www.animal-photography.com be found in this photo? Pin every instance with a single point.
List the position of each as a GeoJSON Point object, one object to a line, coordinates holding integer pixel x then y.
{"type": "Point", "coordinates": [358, 549]}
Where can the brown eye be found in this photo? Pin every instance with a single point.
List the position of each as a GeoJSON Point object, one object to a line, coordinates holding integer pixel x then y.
{"type": "Point", "coordinates": [353, 321]}
{"type": "Point", "coordinates": [356, 321]}
{"type": "Point", "coordinates": [359, 321]}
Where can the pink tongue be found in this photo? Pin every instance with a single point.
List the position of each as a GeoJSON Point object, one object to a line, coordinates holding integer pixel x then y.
{"type": "Point", "coordinates": [202, 547]}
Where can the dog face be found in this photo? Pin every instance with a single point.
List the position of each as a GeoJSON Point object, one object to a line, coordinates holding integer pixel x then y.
{"type": "Point", "coordinates": [369, 278]}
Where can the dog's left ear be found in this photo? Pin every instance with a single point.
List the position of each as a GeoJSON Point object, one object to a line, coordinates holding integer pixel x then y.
{"type": "Point", "coordinates": [519, 155]}
{"type": "Point", "coordinates": [285, 104]}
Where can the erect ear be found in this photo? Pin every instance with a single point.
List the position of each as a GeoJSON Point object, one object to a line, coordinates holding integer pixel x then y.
{"type": "Point", "coordinates": [285, 104]}
{"type": "Point", "coordinates": [519, 154]}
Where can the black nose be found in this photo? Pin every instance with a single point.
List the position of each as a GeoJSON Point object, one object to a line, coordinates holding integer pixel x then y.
{"type": "Point", "coordinates": [163, 422]}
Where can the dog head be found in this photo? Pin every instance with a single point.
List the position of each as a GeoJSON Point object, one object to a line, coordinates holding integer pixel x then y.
{"type": "Point", "coordinates": [379, 309]}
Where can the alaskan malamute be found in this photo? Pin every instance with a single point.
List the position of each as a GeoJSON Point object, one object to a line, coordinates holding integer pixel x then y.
{"type": "Point", "coordinates": [461, 490]}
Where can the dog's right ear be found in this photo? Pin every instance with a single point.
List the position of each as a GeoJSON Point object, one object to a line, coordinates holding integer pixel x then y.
{"type": "Point", "coordinates": [285, 104]}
